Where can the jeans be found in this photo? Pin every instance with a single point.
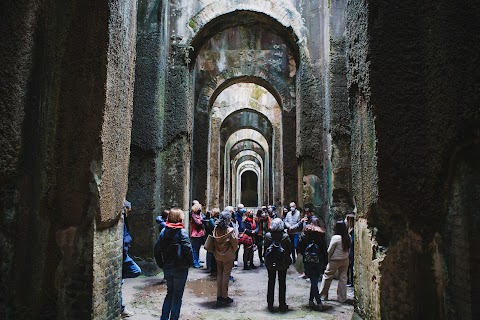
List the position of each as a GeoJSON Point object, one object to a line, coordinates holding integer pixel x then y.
{"type": "Point", "coordinates": [129, 270]}
{"type": "Point", "coordinates": [176, 279]}
{"type": "Point", "coordinates": [282, 288]}
{"type": "Point", "coordinates": [314, 293]}
{"type": "Point", "coordinates": [259, 243]}
{"type": "Point", "coordinates": [196, 243]}
{"type": "Point", "coordinates": [247, 255]}
{"type": "Point", "coordinates": [294, 239]}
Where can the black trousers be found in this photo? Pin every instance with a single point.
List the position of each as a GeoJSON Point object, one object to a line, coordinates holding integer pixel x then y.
{"type": "Point", "coordinates": [282, 287]}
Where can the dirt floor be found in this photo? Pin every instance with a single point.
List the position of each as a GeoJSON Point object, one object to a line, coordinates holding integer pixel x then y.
{"type": "Point", "coordinates": [144, 297]}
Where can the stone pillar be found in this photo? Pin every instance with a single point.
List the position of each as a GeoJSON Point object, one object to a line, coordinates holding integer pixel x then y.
{"type": "Point", "coordinates": [147, 129]}
{"type": "Point", "coordinates": [339, 173]}
{"type": "Point", "coordinates": [415, 117]}
{"type": "Point", "coordinates": [64, 187]}
{"type": "Point", "coordinates": [176, 153]}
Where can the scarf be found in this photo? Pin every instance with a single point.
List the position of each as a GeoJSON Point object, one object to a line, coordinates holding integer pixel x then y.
{"type": "Point", "coordinates": [252, 223]}
{"type": "Point", "coordinates": [177, 225]}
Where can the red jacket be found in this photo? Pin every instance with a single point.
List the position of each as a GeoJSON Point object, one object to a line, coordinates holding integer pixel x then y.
{"type": "Point", "coordinates": [196, 223]}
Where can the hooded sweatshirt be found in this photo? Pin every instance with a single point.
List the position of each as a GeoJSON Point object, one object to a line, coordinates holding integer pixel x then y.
{"type": "Point", "coordinates": [226, 244]}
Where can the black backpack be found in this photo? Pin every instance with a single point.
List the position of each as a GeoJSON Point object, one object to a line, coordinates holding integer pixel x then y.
{"type": "Point", "coordinates": [276, 258]}
{"type": "Point", "coordinates": [312, 253]}
{"type": "Point", "coordinates": [170, 249]}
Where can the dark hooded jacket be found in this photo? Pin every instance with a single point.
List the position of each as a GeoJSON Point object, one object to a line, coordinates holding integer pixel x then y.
{"type": "Point", "coordinates": [173, 247]}
{"type": "Point", "coordinates": [317, 236]}
{"type": "Point", "coordinates": [284, 239]}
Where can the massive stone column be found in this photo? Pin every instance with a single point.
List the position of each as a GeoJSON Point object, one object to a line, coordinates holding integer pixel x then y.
{"type": "Point", "coordinates": [66, 115]}
{"type": "Point", "coordinates": [338, 156]}
{"type": "Point", "coordinates": [145, 181]}
{"type": "Point", "coordinates": [414, 138]}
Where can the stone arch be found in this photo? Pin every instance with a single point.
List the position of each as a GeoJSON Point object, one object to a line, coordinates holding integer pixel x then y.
{"type": "Point", "coordinates": [239, 135]}
{"type": "Point", "coordinates": [284, 93]}
{"type": "Point", "coordinates": [279, 15]}
{"type": "Point", "coordinates": [244, 167]}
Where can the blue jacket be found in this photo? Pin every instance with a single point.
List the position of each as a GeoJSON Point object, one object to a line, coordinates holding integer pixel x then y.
{"type": "Point", "coordinates": [173, 248]}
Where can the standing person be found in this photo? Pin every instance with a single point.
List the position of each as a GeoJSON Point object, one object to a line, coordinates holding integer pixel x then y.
{"type": "Point", "coordinates": [129, 268]}
{"type": "Point", "coordinates": [314, 249]}
{"type": "Point", "coordinates": [239, 221]}
{"type": "Point", "coordinates": [263, 221]}
{"type": "Point", "coordinates": [277, 244]}
{"type": "Point", "coordinates": [197, 232]}
{"type": "Point", "coordinates": [161, 220]}
{"type": "Point", "coordinates": [284, 212]}
{"type": "Point", "coordinates": [272, 211]}
{"type": "Point", "coordinates": [225, 246]}
{"type": "Point", "coordinates": [291, 219]}
{"type": "Point", "coordinates": [209, 224]}
{"type": "Point", "coordinates": [350, 226]}
{"type": "Point", "coordinates": [248, 228]}
{"type": "Point", "coordinates": [337, 260]}
{"type": "Point", "coordinates": [173, 252]}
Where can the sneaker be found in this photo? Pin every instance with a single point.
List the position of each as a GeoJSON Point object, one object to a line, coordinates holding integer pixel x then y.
{"type": "Point", "coordinates": [232, 279]}
{"type": "Point", "coordinates": [126, 313]}
{"type": "Point", "coordinates": [228, 300]}
{"type": "Point", "coordinates": [271, 308]}
{"type": "Point", "coordinates": [197, 266]}
{"type": "Point", "coordinates": [311, 304]}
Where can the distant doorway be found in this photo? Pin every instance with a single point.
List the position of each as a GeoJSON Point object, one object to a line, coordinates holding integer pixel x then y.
{"type": "Point", "coordinates": [249, 189]}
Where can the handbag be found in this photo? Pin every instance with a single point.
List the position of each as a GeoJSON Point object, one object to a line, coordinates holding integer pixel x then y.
{"type": "Point", "coordinates": [209, 244]}
{"type": "Point", "coordinates": [244, 238]}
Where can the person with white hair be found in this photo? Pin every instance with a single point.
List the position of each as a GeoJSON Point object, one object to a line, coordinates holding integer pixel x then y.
{"type": "Point", "coordinates": [277, 248]}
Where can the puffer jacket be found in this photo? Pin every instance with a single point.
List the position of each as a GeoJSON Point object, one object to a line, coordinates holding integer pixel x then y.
{"type": "Point", "coordinates": [226, 244]}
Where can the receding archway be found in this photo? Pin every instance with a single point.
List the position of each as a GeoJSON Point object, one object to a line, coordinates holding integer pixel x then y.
{"type": "Point", "coordinates": [249, 188]}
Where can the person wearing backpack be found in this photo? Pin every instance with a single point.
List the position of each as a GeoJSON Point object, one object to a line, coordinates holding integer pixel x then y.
{"type": "Point", "coordinates": [226, 244]}
{"type": "Point", "coordinates": [173, 252]}
{"type": "Point", "coordinates": [314, 249]}
{"type": "Point", "coordinates": [337, 260]}
{"type": "Point", "coordinates": [278, 249]}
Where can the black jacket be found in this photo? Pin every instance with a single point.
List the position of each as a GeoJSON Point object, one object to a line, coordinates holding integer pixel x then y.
{"type": "Point", "coordinates": [173, 248]}
{"type": "Point", "coordinates": [318, 238]}
{"type": "Point", "coordinates": [284, 239]}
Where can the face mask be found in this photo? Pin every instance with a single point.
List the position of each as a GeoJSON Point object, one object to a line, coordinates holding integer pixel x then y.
{"type": "Point", "coordinates": [292, 208]}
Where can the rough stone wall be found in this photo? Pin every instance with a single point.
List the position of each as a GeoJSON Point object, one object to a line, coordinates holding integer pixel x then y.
{"type": "Point", "coordinates": [412, 104]}
{"type": "Point", "coordinates": [107, 275]}
{"type": "Point", "coordinates": [70, 67]}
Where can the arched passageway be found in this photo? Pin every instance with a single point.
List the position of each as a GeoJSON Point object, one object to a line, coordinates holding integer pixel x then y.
{"type": "Point", "coordinates": [249, 187]}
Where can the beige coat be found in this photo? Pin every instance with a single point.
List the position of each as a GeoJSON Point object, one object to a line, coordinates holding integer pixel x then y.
{"type": "Point", "coordinates": [226, 244]}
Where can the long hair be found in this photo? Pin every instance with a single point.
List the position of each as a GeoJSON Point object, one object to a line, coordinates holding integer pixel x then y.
{"type": "Point", "coordinates": [341, 229]}
{"type": "Point", "coordinates": [314, 226]}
